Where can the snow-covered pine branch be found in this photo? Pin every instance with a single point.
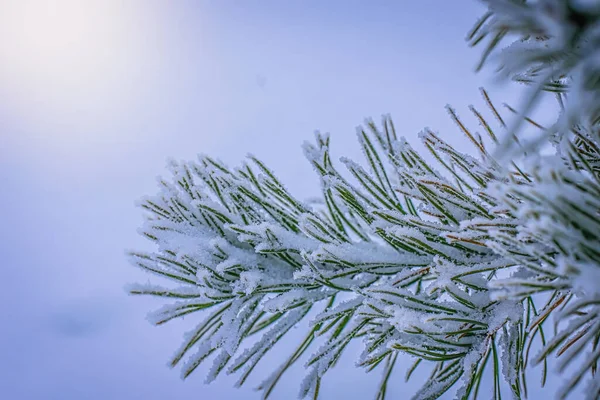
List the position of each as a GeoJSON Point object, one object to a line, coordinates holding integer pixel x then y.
{"type": "Point", "coordinates": [458, 263]}
{"type": "Point", "coordinates": [556, 210]}
{"type": "Point", "coordinates": [555, 48]}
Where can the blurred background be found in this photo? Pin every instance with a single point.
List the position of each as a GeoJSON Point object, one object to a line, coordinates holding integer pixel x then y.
{"type": "Point", "coordinates": [95, 95]}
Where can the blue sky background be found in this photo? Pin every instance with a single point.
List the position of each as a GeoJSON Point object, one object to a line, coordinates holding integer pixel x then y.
{"type": "Point", "coordinates": [96, 95]}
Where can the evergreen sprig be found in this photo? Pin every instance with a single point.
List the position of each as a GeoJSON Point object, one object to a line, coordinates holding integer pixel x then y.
{"type": "Point", "coordinates": [458, 263]}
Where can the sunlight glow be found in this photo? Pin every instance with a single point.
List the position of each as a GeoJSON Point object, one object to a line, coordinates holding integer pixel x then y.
{"type": "Point", "coordinates": [63, 59]}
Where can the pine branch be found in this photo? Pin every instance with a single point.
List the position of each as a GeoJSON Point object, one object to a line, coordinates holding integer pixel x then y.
{"type": "Point", "coordinates": [443, 261]}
